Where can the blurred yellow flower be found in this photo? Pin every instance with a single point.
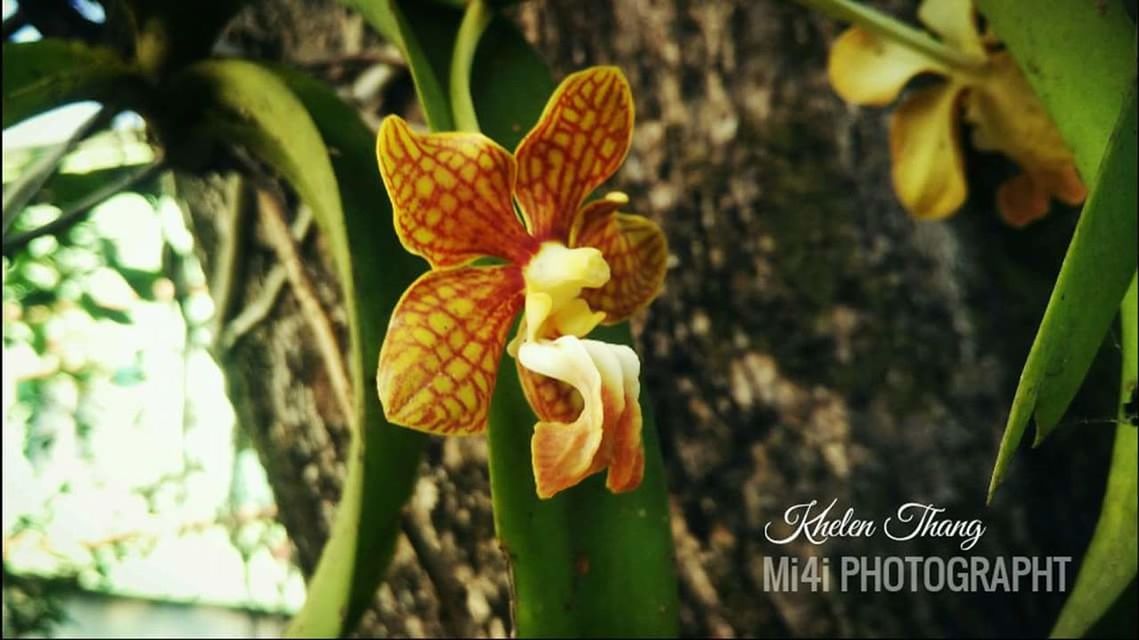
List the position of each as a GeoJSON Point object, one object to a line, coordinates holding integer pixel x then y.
{"type": "Point", "coordinates": [995, 99]}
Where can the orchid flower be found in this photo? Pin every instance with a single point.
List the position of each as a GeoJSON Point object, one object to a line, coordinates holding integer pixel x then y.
{"type": "Point", "coordinates": [567, 265]}
{"type": "Point", "coordinates": [995, 98]}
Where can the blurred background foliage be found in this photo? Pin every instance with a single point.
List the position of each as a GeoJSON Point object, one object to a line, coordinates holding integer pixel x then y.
{"type": "Point", "coordinates": [124, 473]}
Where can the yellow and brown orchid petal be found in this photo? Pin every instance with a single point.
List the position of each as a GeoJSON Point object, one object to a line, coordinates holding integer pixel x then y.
{"type": "Point", "coordinates": [869, 70]}
{"type": "Point", "coordinates": [578, 143]}
{"type": "Point", "coordinates": [551, 399]}
{"type": "Point", "coordinates": [927, 165]}
{"type": "Point", "coordinates": [440, 357]}
{"type": "Point", "coordinates": [563, 452]}
{"type": "Point", "coordinates": [1026, 197]}
{"type": "Point", "coordinates": [635, 249]}
{"type": "Point", "coordinates": [1007, 116]}
{"type": "Point", "coordinates": [451, 195]}
{"type": "Point", "coordinates": [956, 23]}
{"type": "Point", "coordinates": [622, 443]}
{"type": "Point", "coordinates": [621, 450]}
{"type": "Point", "coordinates": [1064, 184]}
{"type": "Point", "coordinates": [1020, 201]}
{"type": "Point", "coordinates": [606, 432]}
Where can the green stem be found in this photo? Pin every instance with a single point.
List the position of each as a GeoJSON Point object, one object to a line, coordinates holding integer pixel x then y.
{"type": "Point", "coordinates": [887, 27]}
{"type": "Point", "coordinates": [475, 20]}
{"type": "Point", "coordinates": [1109, 564]}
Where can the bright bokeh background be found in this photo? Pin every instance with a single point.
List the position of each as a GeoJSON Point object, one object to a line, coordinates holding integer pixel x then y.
{"type": "Point", "coordinates": [124, 473]}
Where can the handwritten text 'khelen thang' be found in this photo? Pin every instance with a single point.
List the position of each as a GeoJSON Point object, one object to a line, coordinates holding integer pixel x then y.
{"type": "Point", "coordinates": [912, 520]}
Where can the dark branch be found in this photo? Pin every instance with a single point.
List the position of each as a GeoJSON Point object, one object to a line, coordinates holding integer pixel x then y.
{"type": "Point", "coordinates": [21, 193]}
{"type": "Point", "coordinates": [77, 211]}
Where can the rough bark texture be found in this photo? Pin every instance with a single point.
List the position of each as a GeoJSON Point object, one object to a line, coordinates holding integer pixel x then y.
{"type": "Point", "coordinates": [812, 341]}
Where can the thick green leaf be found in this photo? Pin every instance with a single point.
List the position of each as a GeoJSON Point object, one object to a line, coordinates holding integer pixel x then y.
{"type": "Point", "coordinates": [424, 32]}
{"type": "Point", "coordinates": [42, 75]}
{"type": "Point", "coordinates": [1111, 559]}
{"type": "Point", "coordinates": [248, 105]}
{"type": "Point", "coordinates": [1079, 57]}
{"type": "Point", "coordinates": [586, 562]}
{"type": "Point", "coordinates": [382, 270]}
{"type": "Point", "coordinates": [508, 107]}
{"type": "Point", "coordinates": [1101, 258]}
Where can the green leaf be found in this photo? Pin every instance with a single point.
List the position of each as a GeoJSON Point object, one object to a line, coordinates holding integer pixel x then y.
{"type": "Point", "coordinates": [42, 75]}
{"type": "Point", "coordinates": [1110, 563]}
{"type": "Point", "coordinates": [63, 189]}
{"type": "Point", "coordinates": [586, 562]}
{"type": "Point", "coordinates": [382, 271]}
{"type": "Point", "coordinates": [251, 106]}
{"type": "Point", "coordinates": [1101, 257]}
{"type": "Point", "coordinates": [424, 32]}
{"type": "Point", "coordinates": [508, 107]}
{"type": "Point", "coordinates": [1093, 278]}
{"type": "Point", "coordinates": [1083, 98]}
{"type": "Point", "coordinates": [140, 281]}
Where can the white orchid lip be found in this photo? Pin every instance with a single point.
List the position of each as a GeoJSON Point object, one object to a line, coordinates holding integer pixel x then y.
{"type": "Point", "coordinates": [554, 279]}
{"type": "Point", "coordinates": [607, 431]}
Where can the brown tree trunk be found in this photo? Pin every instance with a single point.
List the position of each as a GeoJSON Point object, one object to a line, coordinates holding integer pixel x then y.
{"type": "Point", "coordinates": [812, 341]}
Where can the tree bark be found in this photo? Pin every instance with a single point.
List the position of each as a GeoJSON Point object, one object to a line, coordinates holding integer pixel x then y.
{"type": "Point", "coordinates": [812, 342]}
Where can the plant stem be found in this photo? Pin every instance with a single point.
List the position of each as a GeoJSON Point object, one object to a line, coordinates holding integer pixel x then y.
{"type": "Point", "coordinates": [890, 28]}
{"type": "Point", "coordinates": [260, 307]}
{"type": "Point", "coordinates": [223, 280]}
{"type": "Point", "coordinates": [475, 20]}
{"type": "Point", "coordinates": [271, 210]}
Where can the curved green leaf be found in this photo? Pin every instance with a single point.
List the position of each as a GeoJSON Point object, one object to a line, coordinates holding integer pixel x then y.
{"type": "Point", "coordinates": [251, 106]}
{"type": "Point", "coordinates": [1111, 559]}
{"type": "Point", "coordinates": [382, 270]}
{"type": "Point", "coordinates": [510, 84]}
{"type": "Point", "coordinates": [42, 75]}
{"type": "Point", "coordinates": [1082, 99]}
{"type": "Point", "coordinates": [585, 563]}
{"type": "Point", "coordinates": [424, 32]}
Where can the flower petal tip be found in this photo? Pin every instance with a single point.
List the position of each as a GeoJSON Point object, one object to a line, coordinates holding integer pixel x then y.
{"type": "Point", "coordinates": [561, 455]}
{"type": "Point", "coordinates": [580, 140]}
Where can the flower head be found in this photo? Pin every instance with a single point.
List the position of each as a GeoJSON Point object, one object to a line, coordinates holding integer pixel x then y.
{"type": "Point", "coordinates": [569, 265]}
{"type": "Point", "coordinates": [1005, 114]}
